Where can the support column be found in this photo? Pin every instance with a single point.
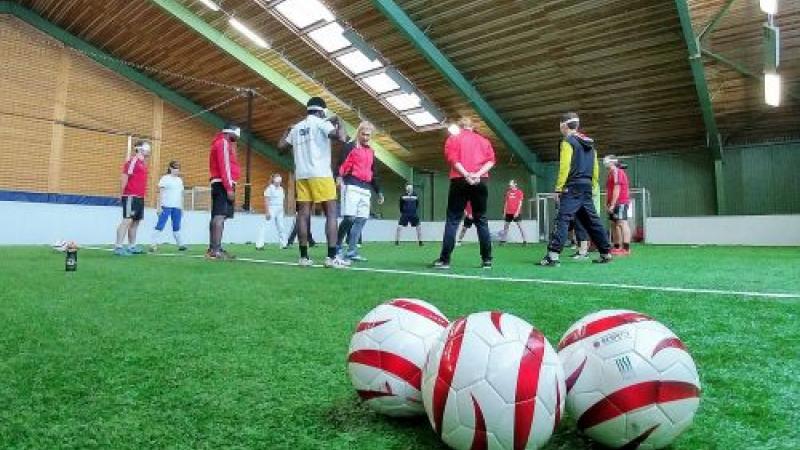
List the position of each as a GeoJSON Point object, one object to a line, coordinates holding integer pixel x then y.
{"type": "Point", "coordinates": [59, 116]}
{"type": "Point", "coordinates": [719, 184]}
{"type": "Point", "coordinates": [155, 155]}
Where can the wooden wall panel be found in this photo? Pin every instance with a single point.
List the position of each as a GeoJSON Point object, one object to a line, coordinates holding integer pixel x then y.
{"type": "Point", "coordinates": [92, 162]}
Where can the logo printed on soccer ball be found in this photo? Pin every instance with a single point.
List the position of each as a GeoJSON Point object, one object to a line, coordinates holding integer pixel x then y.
{"type": "Point", "coordinates": [387, 352]}
{"type": "Point", "coordinates": [493, 381]}
{"type": "Point", "coordinates": [643, 391]}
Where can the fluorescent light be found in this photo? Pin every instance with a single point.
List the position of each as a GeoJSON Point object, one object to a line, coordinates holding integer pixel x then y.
{"type": "Point", "coordinates": [330, 37]}
{"type": "Point", "coordinates": [769, 6]}
{"type": "Point", "coordinates": [453, 129]}
{"type": "Point", "coordinates": [303, 13]}
{"type": "Point", "coordinates": [210, 5]}
{"type": "Point", "coordinates": [356, 62]}
{"type": "Point", "coordinates": [403, 102]}
{"type": "Point", "coordinates": [422, 119]}
{"type": "Point", "coordinates": [242, 28]}
{"type": "Point", "coordinates": [381, 83]}
{"type": "Point", "coordinates": [772, 89]}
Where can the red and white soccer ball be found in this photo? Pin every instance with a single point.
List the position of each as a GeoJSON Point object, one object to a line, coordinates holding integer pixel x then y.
{"type": "Point", "coordinates": [493, 382]}
{"type": "Point", "coordinates": [630, 381]}
{"type": "Point", "coordinates": [387, 353]}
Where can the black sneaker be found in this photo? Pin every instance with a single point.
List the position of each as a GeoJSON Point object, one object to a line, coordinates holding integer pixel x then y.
{"type": "Point", "coordinates": [486, 264]}
{"type": "Point", "coordinates": [603, 259]}
{"type": "Point", "coordinates": [182, 248]}
{"type": "Point", "coordinates": [421, 244]}
{"type": "Point", "coordinates": [396, 242]}
{"type": "Point", "coordinates": [441, 265]}
{"type": "Point", "coordinates": [547, 261]}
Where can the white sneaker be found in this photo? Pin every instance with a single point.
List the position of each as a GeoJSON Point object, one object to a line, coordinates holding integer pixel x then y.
{"type": "Point", "coordinates": [305, 262]}
{"type": "Point", "coordinates": [458, 244]}
{"type": "Point", "coordinates": [336, 263]}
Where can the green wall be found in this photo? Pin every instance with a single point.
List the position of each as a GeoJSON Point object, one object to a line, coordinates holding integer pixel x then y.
{"type": "Point", "coordinates": [763, 179]}
{"type": "Point", "coordinates": [758, 179]}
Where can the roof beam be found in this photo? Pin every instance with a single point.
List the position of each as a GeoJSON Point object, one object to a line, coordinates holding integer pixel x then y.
{"type": "Point", "coordinates": [428, 49]}
{"type": "Point", "coordinates": [30, 17]}
{"type": "Point", "coordinates": [269, 74]}
{"type": "Point", "coordinates": [699, 75]}
{"type": "Point", "coordinates": [703, 94]}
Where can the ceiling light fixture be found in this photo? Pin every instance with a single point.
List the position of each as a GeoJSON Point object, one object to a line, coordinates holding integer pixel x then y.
{"type": "Point", "coordinates": [248, 33]}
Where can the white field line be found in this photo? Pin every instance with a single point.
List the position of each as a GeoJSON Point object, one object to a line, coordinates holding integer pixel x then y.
{"type": "Point", "coordinates": [637, 287]}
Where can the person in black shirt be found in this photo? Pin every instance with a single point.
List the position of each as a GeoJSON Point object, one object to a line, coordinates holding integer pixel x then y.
{"type": "Point", "coordinates": [409, 202]}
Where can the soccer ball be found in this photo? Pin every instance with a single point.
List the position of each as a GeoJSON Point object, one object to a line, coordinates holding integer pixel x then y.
{"type": "Point", "coordinates": [493, 381]}
{"type": "Point", "coordinates": [630, 380]}
{"type": "Point", "coordinates": [387, 352]}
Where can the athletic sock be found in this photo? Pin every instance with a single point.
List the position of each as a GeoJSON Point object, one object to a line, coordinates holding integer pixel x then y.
{"type": "Point", "coordinates": [626, 246]}
{"type": "Point", "coordinates": [304, 251]}
{"type": "Point", "coordinates": [331, 252]}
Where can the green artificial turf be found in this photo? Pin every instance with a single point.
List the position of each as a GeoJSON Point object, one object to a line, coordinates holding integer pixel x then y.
{"type": "Point", "coordinates": [177, 352]}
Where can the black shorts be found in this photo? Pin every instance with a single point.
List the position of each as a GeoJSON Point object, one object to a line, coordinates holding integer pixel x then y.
{"type": "Point", "coordinates": [620, 212]}
{"type": "Point", "coordinates": [512, 218]}
{"type": "Point", "coordinates": [405, 220]}
{"type": "Point", "coordinates": [468, 222]}
{"type": "Point", "coordinates": [220, 205]}
{"type": "Point", "coordinates": [132, 207]}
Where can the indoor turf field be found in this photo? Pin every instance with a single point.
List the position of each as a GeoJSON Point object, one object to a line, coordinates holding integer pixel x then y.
{"type": "Point", "coordinates": [179, 352]}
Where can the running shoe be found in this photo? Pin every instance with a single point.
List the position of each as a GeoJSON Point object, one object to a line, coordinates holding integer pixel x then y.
{"type": "Point", "coordinates": [121, 251]}
{"type": "Point", "coordinates": [136, 250]}
{"type": "Point", "coordinates": [212, 255]}
{"type": "Point", "coordinates": [547, 261]}
{"type": "Point", "coordinates": [578, 256]}
{"type": "Point", "coordinates": [396, 242]}
{"type": "Point", "coordinates": [336, 263]}
{"type": "Point", "coordinates": [421, 244]}
{"type": "Point", "coordinates": [486, 264]}
{"type": "Point", "coordinates": [617, 251]}
{"type": "Point", "coordinates": [441, 265]}
{"type": "Point", "coordinates": [458, 244]}
{"type": "Point", "coordinates": [603, 259]}
{"type": "Point", "coordinates": [183, 248]}
{"type": "Point", "coordinates": [305, 262]}
{"type": "Point", "coordinates": [355, 257]}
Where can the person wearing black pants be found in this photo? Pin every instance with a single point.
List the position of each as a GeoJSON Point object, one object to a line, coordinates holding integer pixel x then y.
{"type": "Point", "coordinates": [577, 178]}
{"type": "Point", "coordinates": [293, 234]}
{"type": "Point", "coordinates": [470, 157]}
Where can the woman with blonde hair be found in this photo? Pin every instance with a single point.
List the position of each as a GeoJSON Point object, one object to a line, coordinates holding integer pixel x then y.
{"type": "Point", "coordinates": [358, 179]}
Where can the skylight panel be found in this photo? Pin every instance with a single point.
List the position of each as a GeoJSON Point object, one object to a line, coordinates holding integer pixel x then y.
{"type": "Point", "coordinates": [381, 83]}
{"type": "Point", "coordinates": [422, 119]}
{"type": "Point", "coordinates": [330, 37]}
{"type": "Point", "coordinates": [403, 102]}
{"type": "Point", "coordinates": [356, 62]}
{"type": "Point", "coordinates": [303, 13]}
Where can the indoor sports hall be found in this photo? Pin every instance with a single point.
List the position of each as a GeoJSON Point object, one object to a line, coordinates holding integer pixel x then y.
{"type": "Point", "coordinates": [400, 224]}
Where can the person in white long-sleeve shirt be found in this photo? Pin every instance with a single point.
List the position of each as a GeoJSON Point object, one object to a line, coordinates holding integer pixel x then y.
{"type": "Point", "coordinates": [170, 193]}
{"type": "Point", "coordinates": [274, 212]}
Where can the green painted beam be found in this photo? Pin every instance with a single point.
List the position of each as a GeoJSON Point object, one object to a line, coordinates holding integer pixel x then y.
{"type": "Point", "coordinates": [699, 75]}
{"type": "Point", "coordinates": [704, 96]}
{"type": "Point", "coordinates": [133, 75]}
{"type": "Point", "coordinates": [269, 74]}
{"type": "Point", "coordinates": [428, 49]}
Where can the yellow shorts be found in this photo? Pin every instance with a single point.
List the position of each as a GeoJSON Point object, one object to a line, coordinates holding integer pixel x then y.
{"type": "Point", "coordinates": [316, 190]}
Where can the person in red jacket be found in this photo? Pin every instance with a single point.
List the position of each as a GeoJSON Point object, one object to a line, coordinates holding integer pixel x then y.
{"type": "Point", "coordinates": [133, 187]}
{"type": "Point", "coordinates": [470, 157]}
{"type": "Point", "coordinates": [513, 210]}
{"type": "Point", "coordinates": [358, 178]}
{"type": "Point", "coordinates": [223, 171]}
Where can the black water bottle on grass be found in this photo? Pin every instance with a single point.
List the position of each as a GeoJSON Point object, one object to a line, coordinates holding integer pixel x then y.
{"type": "Point", "coordinates": [71, 260]}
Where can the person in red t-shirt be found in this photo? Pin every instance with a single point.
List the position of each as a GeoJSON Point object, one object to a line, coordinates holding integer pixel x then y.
{"type": "Point", "coordinates": [223, 171]}
{"type": "Point", "coordinates": [470, 157]}
{"type": "Point", "coordinates": [512, 210]}
{"type": "Point", "coordinates": [618, 206]}
{"type": "Point", "coordinates": [133, 187]}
